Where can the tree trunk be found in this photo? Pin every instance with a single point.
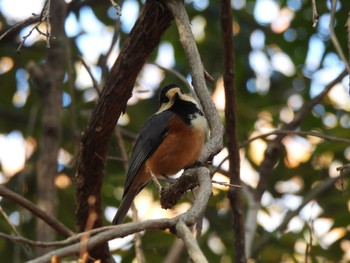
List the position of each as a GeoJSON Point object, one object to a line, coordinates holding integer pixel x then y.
{"type": "Point", "coordinates": [49, 79]}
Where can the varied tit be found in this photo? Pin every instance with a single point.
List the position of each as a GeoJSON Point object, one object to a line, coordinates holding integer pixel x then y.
{"type": "Point", "coordinates": [171, 140]}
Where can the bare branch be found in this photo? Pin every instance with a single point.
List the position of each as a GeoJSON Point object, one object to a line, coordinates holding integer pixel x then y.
{"type": "Point", "coordinates": [94, 81]}
{"type": "Point", "coordinates": [43, 17]}
{"type": "Point", "coordinates": [274, 147]}
{"type": "Point", "coordinates": [107, 233]}
{"type": "Point", "coordinates": [20, 25]}
{"type": "Point", "coordinates": [226, 184]}
{"type": "Point", "coordinates": [314, 14]}
{"type": "Point", "coordinates": [188, 43]}
{"type": "Point", "coordinates": [309, 243]}
{"type": "Point", "coordinates": [51, 221]}
{"type": "Point", "coordinates": [301, 133]}
{"type": "Point", "coordinates": [193, 249]}
{"type": "Point", "coordinates": [273, 150]}
{"type": "Point", "coordinates": [116, 7]}
{"type": "Point", "coordinates": [348, 33]}
{"type": "Point", "coordinates": [208, 77]}
{"type": "Point", "coordinates": [176, 74]}
{"type": "Point", "coordinates": [317, 191]}
{"type": "Point", "coordinates": [233, 194]}
{"type": "Point", "coordinates": [174, 254]}
{"type": "Point", "coordinates": [250, 221]}
{"type": "Point", "coordinates": [334, 38]}
{"type": "Point", "coordinates": [7, 219]}
{"type": "Point", "coordinates": [343, 167]}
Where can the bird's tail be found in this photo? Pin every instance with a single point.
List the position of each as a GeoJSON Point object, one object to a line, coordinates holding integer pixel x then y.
{"type": "Point", "coordinates": [124, 206]}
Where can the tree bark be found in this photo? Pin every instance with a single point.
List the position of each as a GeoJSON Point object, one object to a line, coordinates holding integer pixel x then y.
{"type": "Point", "coordinates": [144, 37]}
{"type": "Point", "coordinates": [234, 194]}
{"type": "Point", "coordinates": [50, 78]}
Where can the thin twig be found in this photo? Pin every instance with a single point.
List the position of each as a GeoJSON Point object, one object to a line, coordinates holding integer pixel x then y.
{"type": "Point", "coordinates": [272, 152]}
{"type": "Point", "coordinates": [226, 184]}
{"type": "Point", "coordinates": [116, 7]}
{"type": "Point", "coordinates": [46, 17]}
{"type": "Point", "coordinates": [94, 81]}
{"type": "Point", "coordinates": [291, 132]}
{"type": "Point", "coordinates": [177, 74]}
{"type": "Point", "coordinates": [309, 243]}
{"type": "Point", "coordinates": [334, 38]}
{"type": "Point", "coordinates": [20, 25]}
{"type": "Point", "coordinates": [7, 219]}
{"type": "Point", "coordinates": [314, 14]}
{"type": "Point", "coordinates": [208, 77]}
{"type": "Point", "coordinates": [348, 33]}
{"type": "Point", "coordinates": [43, 17]}
{"type": "Point", "coordinates": [14, 229]}
{"type": "Point", "coordinates": [343, 167]}
{"type": "Point", "coordinates": [102, 61]}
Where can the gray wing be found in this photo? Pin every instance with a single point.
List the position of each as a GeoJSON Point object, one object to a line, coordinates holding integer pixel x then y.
{"type": "Point", "coordinates": [150, 137]}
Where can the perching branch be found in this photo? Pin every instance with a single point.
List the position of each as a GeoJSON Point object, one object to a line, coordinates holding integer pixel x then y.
{"type": "Point", "coordinates": [188, 43]}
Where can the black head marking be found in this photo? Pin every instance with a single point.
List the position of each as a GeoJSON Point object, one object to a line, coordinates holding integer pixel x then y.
{"type": "Point", "coordinates": [163, 98]}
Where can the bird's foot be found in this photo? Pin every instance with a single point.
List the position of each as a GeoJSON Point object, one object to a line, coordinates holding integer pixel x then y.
{"type": "Point", "coordinates": [170, 180]}
{"type": "Point", "coordinates": [155, 180]}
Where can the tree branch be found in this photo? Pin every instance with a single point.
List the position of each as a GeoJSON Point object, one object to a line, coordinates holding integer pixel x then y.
{"type": "Point", "coordinates": [233, 194]}
{"type": "Point", "coordinates": [20, 25]}
{"type": "Point", "coordinates": [300, 133]}
{"type": "Point", "coordinates": [48, 219]}
{"type": "Point", "coordinates": [317, 191]}
{"type": "Point", "coordinates": [274, 147]}
{"type": "Point", "coordinates": [215, 144]}
{"type": "Point", "coordinates": [193, 249]}
{"type": "Point", "coordinates": [273, 150]}
{"type": "Point", "coordinates": [107, 233]}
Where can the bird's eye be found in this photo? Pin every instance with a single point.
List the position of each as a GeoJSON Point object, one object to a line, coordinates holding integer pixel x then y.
{"type": "Point", "coordinates": [163, 99]}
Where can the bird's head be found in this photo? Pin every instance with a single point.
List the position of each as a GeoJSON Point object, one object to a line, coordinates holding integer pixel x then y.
{"type": "Point", "coordinates": [170, 95]}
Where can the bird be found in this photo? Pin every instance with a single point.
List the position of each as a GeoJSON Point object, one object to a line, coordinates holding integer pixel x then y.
{"type": "Point", "coordinates": [172, 139]}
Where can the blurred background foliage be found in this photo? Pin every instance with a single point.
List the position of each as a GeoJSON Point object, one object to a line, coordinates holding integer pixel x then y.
{"type": "Point", "coordinates": [281, 63]}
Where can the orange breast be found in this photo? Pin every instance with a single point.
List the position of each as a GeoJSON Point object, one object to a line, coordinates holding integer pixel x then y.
{"type": "Point", "coordinates": [180, 149]}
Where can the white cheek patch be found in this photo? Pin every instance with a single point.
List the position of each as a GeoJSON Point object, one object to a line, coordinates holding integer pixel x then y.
{"type": "Point", "coordinates": [198, 122]}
